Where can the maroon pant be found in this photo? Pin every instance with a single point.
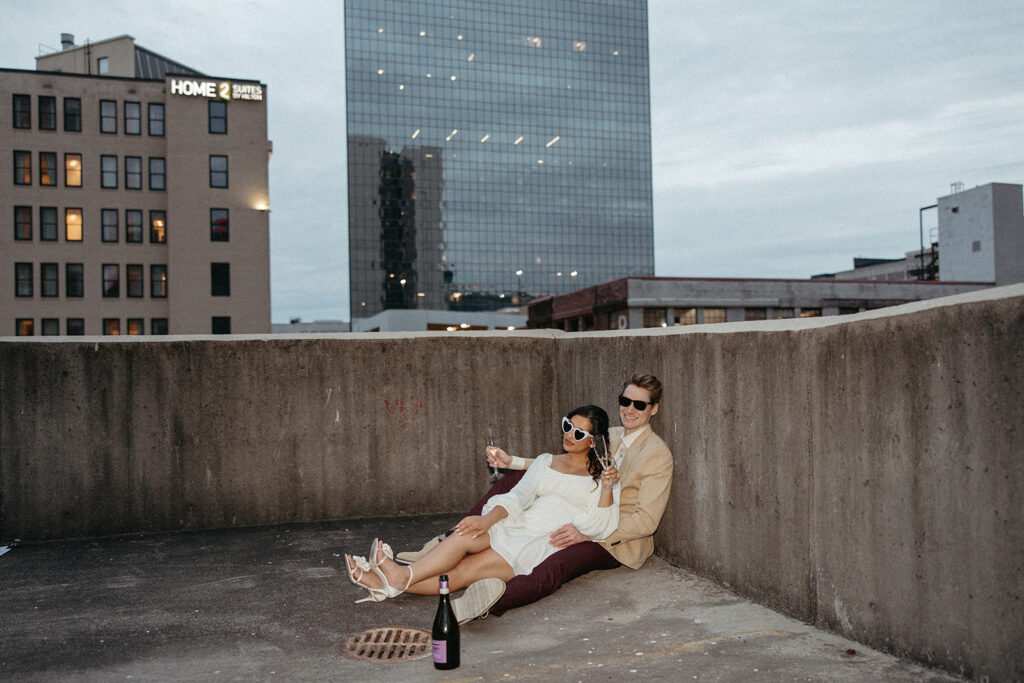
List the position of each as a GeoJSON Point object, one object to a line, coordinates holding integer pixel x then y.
{"type": "Point", "coordinates": [561, 567]}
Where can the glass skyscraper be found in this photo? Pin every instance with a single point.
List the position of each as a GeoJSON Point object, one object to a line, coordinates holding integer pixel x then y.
{"type": "Point", "coordinates": [498, 150]}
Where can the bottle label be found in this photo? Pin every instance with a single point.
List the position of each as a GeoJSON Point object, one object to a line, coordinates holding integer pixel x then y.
{"type": "Point", "coordinates": [440, 649]}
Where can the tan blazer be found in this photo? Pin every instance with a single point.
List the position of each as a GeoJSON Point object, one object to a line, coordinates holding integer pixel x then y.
{"type": "Point", "coordinates": [645, 478]}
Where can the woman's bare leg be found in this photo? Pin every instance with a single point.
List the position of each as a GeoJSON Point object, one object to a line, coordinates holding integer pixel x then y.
{"type": "Point", "coordinates": [439, 560]}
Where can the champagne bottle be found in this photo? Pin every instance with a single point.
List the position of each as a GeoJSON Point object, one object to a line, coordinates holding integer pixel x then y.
{"type": "Point", "coordinates": [445, 634]}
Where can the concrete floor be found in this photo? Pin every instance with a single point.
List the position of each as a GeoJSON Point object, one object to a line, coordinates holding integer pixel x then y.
{"type": "Point", "coordinates": [272, 603]}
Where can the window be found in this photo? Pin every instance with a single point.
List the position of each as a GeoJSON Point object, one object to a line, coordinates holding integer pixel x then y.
{"type": "Point", "coordinates": [75, 327]}
{"type": "Point", "coordinates": [23, 279]}
{"type": "Point", "coordinates": [103, 66]}
{"type": "Point", "coordinates": [655, 317]}
{"type": "Point", "coordinates": [51, 327]}
{"type": "Point", "coordinates": [48, 223]}
{"type": "Point", "coordinates": [810, 312]}
{"type": "Point", "coordinates": [49, 286]}
{"type": "Point", "coordinates": [157, 173]}
{"type": "Point", "coordinates": [47, 168]}
{"type": "Point", "coordinates": [220, 279]}
{"type": "Point", "coordinates": [714, 315]}
{"type": "Point", "coordinates": [158, 325]}
{"type": "Point", "coordinates": [74, 283]}
{"type": "Point", "coordinates": [221, 325]}
{"type": "Point", "coordinates": [72, 170]}
{"type": "Point", "coordinates": [158, 283]}
{"type": "Point", "coordinates": [108, 171]}
{"type": "Point", "coordinates": [72, 115]}
{"type": "Point", "coordinates": [111, 327]}
{"type": "Point", "coordinates": [73, 225]}
{"type": "Point", "coordinates": [219, 225]}
{"type": "Point", "coordinates": [132, 118]}
{"type": "Point", "coordinates": [685, 316]}
{"type": "Point", "coordinates": [133, 173]}
{"type": "Point", "coordinates": [218, 117]}
{"type": "Point", "coordinates": [218, 171]}
{"type": "Point", "coordinates": [22, 167]}
{"type": "Point", "coordinates": [110, 227]}
{"type": "Point", "coordinates": [135, 326]}
{"type": "Point", "coordinates": [133, 273]}
{"type": "Point", "coordinates": [132, 225]}
{"type": "Point", "coordinates": [157, 227]}
{"type": "Point", "coordinates": [156, 119]}
{"type": "Point", "coordinates": [47, 112]}
{"type": "Point", "coordinates": [23, 327]}
{"type": "Point", "coordinates": [23, 222]}
{"type": "Point", "coordinates": [22, 109]}
{"type": "Point", "coordinates": [111, 280]}
{"type": "Point", "coordinates": [108, 116]}
{"type": "Point", "coordinates": [755, 314]}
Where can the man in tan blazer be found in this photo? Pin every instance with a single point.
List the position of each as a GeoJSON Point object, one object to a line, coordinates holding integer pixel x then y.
{"type": "Point", "coordinates": [645, 477]}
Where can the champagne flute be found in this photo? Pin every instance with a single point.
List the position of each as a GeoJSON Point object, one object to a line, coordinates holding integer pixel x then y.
{"type": "Point", "coordinates": [490, 451]}
{"type": "Point", "coordinates": [601, 451]}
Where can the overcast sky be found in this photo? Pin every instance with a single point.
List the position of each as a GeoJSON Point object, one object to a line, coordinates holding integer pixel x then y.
{"type": "Point", "coordinates": [788, 137]}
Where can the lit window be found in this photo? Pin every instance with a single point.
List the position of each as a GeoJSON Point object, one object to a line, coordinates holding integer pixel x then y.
{"type": "Point", "coordinates": [73, 225]}
{"type": "Point", "coordinates": [685, 316]}
{"type": "Point", "coordinates": [111, 326]}
{"type": "Point", "coordinates": [23, 327]}
{"type": "Point", "coordinates": [532, 41]}
{"type": "Point", "coordinates": [714, 315]}
{"type": "Point", "coordinates": [810, 312]}
{"type": "Point", "coordinates": [135, 326]}
{"type": "Point", "coordinates": [655, 317]}
{"type": "Point", "coordinates": [158, 227]}
{"type": "Point", "coordinates": [579, 46]}
{"type": "Point", "coordinates": [72, 170]}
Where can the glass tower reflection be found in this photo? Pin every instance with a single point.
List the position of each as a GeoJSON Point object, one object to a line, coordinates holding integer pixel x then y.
{"type": "Point", "coordinates": [498, 150]}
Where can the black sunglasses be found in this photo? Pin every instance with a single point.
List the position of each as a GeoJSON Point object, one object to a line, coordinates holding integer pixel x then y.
{"type": "Point", "coordinates": [637, 403]}
{"type": "Point", "coordinates": [577, 433]}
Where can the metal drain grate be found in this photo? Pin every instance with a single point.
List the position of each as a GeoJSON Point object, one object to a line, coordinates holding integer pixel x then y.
{"type": "Point", "coordinates": [386, 644]}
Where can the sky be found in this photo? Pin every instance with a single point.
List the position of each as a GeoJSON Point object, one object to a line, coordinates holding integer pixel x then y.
{"type": "Point", "coordinates": [787, 137]}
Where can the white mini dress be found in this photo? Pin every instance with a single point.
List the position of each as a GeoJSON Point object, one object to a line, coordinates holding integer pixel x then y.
{"type": "Point", "coordinates": [544, 500]}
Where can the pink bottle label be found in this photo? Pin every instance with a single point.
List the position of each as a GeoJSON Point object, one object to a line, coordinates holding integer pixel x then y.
{"type": "Point", "coordinates": [440, 649]}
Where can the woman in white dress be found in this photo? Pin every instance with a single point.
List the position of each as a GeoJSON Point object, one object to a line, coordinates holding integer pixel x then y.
{"type": "Point", "coordinates": [512, 536]}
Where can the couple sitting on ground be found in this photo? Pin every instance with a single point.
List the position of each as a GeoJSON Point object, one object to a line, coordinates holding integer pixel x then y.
{"type": "Point", "coordinates": [548, 520]}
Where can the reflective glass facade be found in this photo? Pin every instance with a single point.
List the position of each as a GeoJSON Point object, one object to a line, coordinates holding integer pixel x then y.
{"type": "Point", "coordinates": [498, 150]}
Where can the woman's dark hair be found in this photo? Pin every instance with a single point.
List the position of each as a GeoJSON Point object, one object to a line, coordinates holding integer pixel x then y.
{"type": "Point", "coordinates": [598, 428]}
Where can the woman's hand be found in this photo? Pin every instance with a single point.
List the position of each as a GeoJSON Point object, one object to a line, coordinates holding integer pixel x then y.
{"type": "Point", "coordinates": [610, 476]}
{"type": "Point", "coordinates": [498, 458]}
{"type": "Point", "coordinates": [473, 526]}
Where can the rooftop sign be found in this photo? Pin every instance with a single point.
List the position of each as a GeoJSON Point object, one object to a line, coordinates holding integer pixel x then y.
{"type": "Point", "coordinates": [224, 90]}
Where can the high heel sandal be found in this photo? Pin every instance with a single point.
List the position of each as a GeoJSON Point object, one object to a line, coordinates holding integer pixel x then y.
{"type": "Point", "coordinates": [365, 567]}
{"type": "Point", "coordinates": [387, 589]}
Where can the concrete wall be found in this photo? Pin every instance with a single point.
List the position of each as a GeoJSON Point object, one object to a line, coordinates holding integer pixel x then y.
{"type": "Point", "coordinates": [863, 472]}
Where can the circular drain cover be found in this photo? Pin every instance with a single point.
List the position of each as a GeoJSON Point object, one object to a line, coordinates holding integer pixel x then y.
{"type": "Point", "coordinates": [386, 644]}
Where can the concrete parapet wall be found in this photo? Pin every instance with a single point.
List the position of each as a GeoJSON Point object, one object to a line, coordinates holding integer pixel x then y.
{"type": "Point", "coordinates": [865, 473]}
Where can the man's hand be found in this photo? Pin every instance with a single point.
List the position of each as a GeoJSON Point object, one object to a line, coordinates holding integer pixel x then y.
{"type": "Point", "coordinates": [565, 536]}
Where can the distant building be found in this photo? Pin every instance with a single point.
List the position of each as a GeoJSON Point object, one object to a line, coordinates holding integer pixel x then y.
{"type": "Point", "coordinates": [498, 150]}
{"type": "Point", "coordinates": [981, 233]}
{"type": "Point", "coordinates": [138, 197]}
{"type": "Point", "coordinates": [636, 302]}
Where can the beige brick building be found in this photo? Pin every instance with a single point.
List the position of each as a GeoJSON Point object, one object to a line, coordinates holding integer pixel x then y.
{"type": "Point", "coordinates": [134, 196]}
